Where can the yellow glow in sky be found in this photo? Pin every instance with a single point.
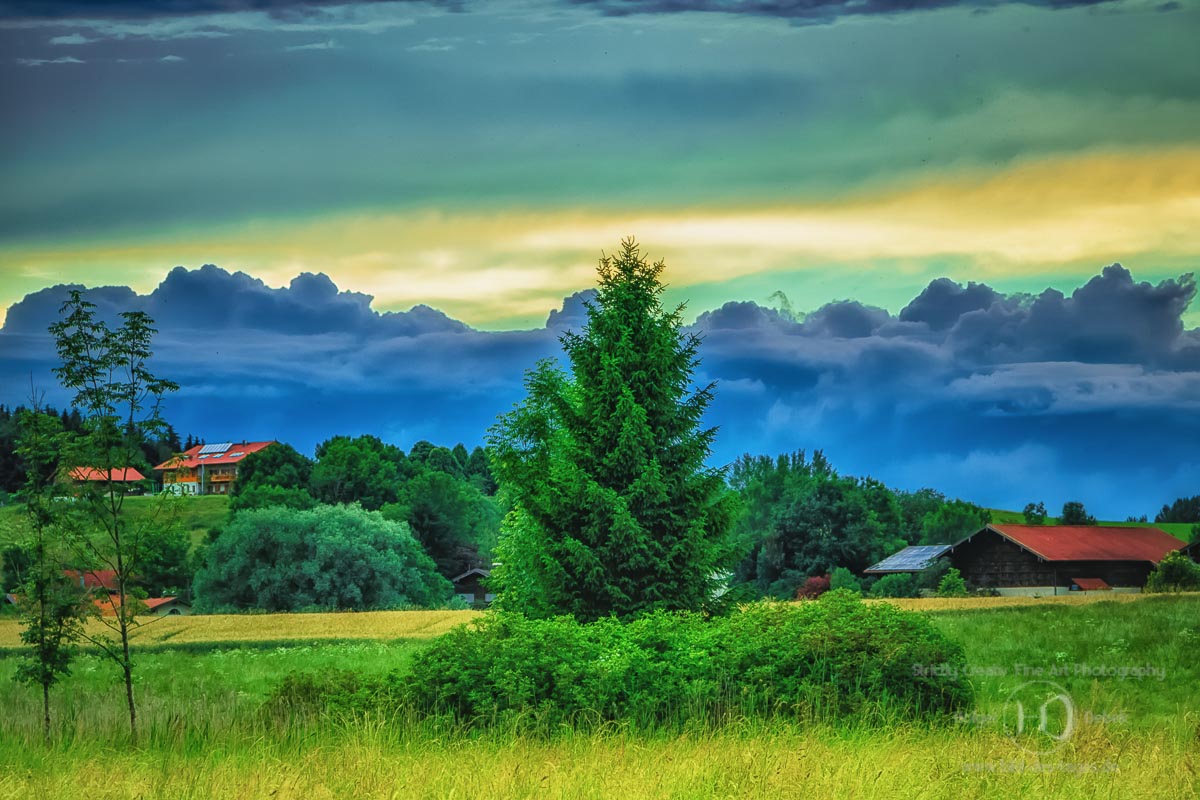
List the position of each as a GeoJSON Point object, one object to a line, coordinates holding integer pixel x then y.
{"type": "Point", "coordinates": [1043, 217]}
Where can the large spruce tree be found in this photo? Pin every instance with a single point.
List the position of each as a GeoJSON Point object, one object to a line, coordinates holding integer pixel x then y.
{"type": "Point", "coordinates": [613, 509]}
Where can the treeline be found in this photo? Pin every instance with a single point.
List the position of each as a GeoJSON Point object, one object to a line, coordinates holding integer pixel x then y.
{"type": "Point", "coordinates": [429, 515]}
{"type": "Point", "coordinates": [149, 451]}
{"type": "Point", "coordinates": [801, 519]}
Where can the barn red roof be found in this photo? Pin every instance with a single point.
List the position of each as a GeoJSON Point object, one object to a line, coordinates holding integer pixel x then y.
{"type": "Point", "coordinates": [94, 474]}
{"type": "Point", "coordinates": [195, 456]}
{"type": "Point", "coordinates": [108, 606]}
{"type": "Point", "coordinates": [1090, 542]}
{"type": "Point", "coordinates": [94, 579]}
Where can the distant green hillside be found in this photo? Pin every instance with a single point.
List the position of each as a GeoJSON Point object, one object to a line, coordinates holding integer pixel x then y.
{"type": "Point", "coordinates": [1180, 530]}
{"type": "Point", "coordinates": [197, 515]}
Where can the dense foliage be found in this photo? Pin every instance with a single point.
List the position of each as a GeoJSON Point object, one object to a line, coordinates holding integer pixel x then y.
{"type": "Point", "coordinates": [800, 519]}
{"type": "Point", "coordinates": [1175, 573]}
{"type": "Point", "coordinates": [155, 449]}
{"type": "Point", "coordinates": [330, 557]}
{"type": "Point", "coordinates": [1074, 513]}
{"type": "Point", "coordinates": [1184, 509]}
{"type": "Point", "coordinates": [440, 492]}
{"type": "Point", "coordinates": [952, 584]}
{"type": "Point", "coordinates": [614, 510]}
{"type": "Point", "coordinates": [826, 659]}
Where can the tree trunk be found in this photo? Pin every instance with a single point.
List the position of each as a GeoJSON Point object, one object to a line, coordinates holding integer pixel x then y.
{"type": "Point", "coordinates": [127, 667]}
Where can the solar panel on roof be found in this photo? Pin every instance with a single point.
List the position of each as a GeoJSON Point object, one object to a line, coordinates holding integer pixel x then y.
{"type": "Point", "coordinates": [910, 559]}
{"type": "Point", "coordinates": [209, 449]}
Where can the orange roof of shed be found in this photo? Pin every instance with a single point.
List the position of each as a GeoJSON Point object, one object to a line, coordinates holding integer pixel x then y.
{"type": "Point", "coordinates": [94, 474]}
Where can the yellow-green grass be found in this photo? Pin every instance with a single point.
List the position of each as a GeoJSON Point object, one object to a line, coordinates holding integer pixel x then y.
{"type": "Point", "coordinates": [373, 761]}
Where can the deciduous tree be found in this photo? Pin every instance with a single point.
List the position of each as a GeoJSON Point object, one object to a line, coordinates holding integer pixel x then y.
{"type": "Point", "coordinates": [52, 607]}
{"type": "Point", "coordinates": [119, 399]}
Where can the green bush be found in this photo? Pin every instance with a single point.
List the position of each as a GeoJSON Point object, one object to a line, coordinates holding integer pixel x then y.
{"type": "Point", "coordinates": [1175, 573]}
{"type": "Point", "coordinates": [842, 578]}
{"type": "Point", "coordinates": [326, 558]}
{"type": "Point", "coordinates": [897, 584]}
{"type": "Point", "coordinates": [827, 659]}
{"type": "Point", "coordinates": [952, 584]}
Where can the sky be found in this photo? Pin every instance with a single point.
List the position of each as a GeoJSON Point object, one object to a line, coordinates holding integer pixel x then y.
{"type": "Point", "coordinates": [896, 228]}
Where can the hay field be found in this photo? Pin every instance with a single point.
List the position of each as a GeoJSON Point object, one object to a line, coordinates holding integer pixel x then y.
{"type": "Point", "coordinates": [985, 603]}
{"type": "Point", "coordinates": [240, 628]}
{"type": "Point", "coordinates": [389, 625]}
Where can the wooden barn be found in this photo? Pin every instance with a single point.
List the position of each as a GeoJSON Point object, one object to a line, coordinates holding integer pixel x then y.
{"type": "Point", "coordinates": [470, 587]}
{"type": "Point", "coordinates": [1192, 550]}
{"type": "Point", "coordinates": [1056, 559]}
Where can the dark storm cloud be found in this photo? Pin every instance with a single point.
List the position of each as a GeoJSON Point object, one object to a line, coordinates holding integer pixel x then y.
{"type": "Point", "coordinates": [150, 9]}
{"type": "Point", "coordinates": [950, 331]}
{"type": "Point", "coordinates": [943, 301]}
{"type": "Point", "coordinates": [962, 381]}
{"type": "Point", "coordinates": [573, 313]}
{"type": "Point", "coordinates": [811, 11]}
{"type": "Point", "coordinates": [211, 298]}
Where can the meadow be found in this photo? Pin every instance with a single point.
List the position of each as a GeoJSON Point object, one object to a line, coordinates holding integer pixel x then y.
{"type": "Point", "coordinates": [1129, 666]}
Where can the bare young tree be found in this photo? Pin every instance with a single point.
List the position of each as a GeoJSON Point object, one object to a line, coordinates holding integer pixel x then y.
{"type": "Point", "coordinates": [120, 400]}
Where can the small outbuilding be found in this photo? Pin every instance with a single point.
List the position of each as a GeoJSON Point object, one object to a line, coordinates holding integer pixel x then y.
{"type": "Point", "coordinates": [469, 587]}
{"type": "Point", "coordinates": [1192, 550]}
{"type": "Point", "coordinates": [152, 607]}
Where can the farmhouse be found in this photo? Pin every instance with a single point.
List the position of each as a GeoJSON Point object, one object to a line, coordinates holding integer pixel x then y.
{"type": "Point", "coordinates": [206, 468]}
{"type": "Point", "coordinates": [96, 580]}
{"type": "Point", "coordinates": [1056, 559]}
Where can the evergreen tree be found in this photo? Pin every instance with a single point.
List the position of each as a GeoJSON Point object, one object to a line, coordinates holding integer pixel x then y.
{"type": "Point", "coordinates": [614, 511]}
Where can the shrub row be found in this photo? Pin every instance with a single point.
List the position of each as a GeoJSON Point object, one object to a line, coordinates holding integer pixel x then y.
{"type": "Point", "coordinates": [820, 660]}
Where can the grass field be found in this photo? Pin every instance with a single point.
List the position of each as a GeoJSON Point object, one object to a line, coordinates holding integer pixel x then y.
{"type": "Point", "coordinates": [1129, 666]}
{"type": "Point", "coordinates": [195, 515]}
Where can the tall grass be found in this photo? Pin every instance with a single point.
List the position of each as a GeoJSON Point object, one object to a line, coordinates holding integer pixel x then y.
{"type": "Point", "coordinates": [206, 734]}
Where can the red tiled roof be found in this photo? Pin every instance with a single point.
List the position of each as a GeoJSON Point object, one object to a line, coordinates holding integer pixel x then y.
{"type": "Point", "coordinates": [1090, 584]}
{"type": "Point", "coordinates": [192, 456]}
{"type": "Point", "coordinates": [108, 606]}
{"type": "Point", "coordinates": [94, 579]}
{"type": "Point", "coordinates": [94, 474]}
{"type": "Point", "coordinates": [1091, 542]}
